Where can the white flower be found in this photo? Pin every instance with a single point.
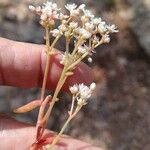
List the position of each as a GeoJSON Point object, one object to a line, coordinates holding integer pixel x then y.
{"type": "Point", "coordinates": [56, 32]}
{"type": "Point", "coordinates": [112, 28]}
{"type": "Point", "coordinates": [50, 6]}
{"type": "Point", "coordinates": [84, 19]}
{"type": "Point", "coordinates": [55, 7]}
{"type": "Point", "coordinates": [82, 49]}
{"type": "Point", "coordinates": [90, 59]}
{"type": "Point", "coordinates": [82, 92]}
{"type": "Point", "coordinates": [85, 91]}
{"type": "Point", "coordinates": [74, 89]}
{"type": "Point", "coordinates": [62, 16]}
{"type": "Point", "coordinates": [62, 28]}
{"type": "Point", "coordinates": [93, 86]}
{"type": "Point", "coordinates": [73, 25]}
{"type": "Point", "coordinates": [31, 7]}
{"type": "Point", "coordinates": [72, 9]}
{"type": "Point", "coordinates": [88, 13]}
{"type": "Point", "coordinates": [96, 21]}
{"type": "Point", "coordinates": [81, 7]}
{"type": "Point", "coordinates": [102, 27]}
{"type": "Point", "coordinates": [85, 34]}
{"type": "Point", "coordinates": [106, 38]}
{"type": "Point", "coordinates": [89, 26]}
{"type": "Point", "coordinates": [43, 16]}
{"type": "Point", "coordinates": [48, 12]}
{"type": "Point", "coordinates": [71, 6]}
{"type": "Point", "coordinates": [74, 12]}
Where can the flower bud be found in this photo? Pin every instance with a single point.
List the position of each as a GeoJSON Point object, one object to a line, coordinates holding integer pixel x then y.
{"type": "Point", "coordinates": [92, 86]}
{"type": "Point", "coordinates": [43, 17]}
{"type": "Point", "coordinates": [31, 7]}
{"type": "Point", "coordinates": [74, 89]}
{"type": "Point", "coordinates": [90, 59]}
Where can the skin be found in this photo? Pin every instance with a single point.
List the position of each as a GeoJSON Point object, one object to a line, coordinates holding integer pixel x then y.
{"type": "Point", "coordinates": [22, 65]}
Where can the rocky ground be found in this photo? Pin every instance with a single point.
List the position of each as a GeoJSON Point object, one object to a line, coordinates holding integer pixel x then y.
{"type": "Point", "coordinates": [118, 116]}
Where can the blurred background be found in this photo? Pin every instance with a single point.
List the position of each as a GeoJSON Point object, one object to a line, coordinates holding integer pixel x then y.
{"type": "Point", "coordinates": [118, 115]}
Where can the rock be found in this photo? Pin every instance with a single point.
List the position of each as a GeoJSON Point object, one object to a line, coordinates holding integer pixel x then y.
{"type": "Point", "coordinates": [140, 22]}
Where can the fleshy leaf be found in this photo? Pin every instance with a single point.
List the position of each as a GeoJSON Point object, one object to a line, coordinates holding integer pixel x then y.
{"type": "Point", "coordinates": [28, 107]}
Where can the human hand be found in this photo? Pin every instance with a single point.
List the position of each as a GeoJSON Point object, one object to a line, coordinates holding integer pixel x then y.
{"type": "Point", "coordinates": [22, 65]}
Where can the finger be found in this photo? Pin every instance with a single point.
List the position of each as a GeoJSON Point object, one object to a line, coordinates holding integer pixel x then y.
{"type": "Point", "coordinates": [23, 64]}
{"type": "Point", "coordinates": [15, 136]}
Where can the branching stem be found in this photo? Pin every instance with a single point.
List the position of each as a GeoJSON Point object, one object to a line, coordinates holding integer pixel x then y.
{"type": "Point", "coordinates": [71, 116]}
{"type": "Point", "coordinates": [58, 88]}
{"type": "Point", "coordinates": [47, 64]}
{"type": "Point", "coordinates": [49, 49]}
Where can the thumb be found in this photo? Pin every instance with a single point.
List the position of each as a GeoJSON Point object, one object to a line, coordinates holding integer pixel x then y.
{"type": "Point", "coordinates": [15, 135]}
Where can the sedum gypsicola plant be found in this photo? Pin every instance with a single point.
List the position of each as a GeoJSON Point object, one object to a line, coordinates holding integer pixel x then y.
{"type": "Point", "coordinates": [87, 32]}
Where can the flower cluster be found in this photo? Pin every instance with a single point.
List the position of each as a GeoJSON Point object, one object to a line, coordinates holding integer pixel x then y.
{"type": "Point", "coordinates": [82, 92]}
{"type": "Point", "coordinates": [48, 13]}
{"type": "Point", "coordinates": [88, 31]}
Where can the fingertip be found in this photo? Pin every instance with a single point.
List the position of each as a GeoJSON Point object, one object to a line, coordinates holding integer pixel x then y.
{"type": "Point", "coordinates": [23, 65]}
